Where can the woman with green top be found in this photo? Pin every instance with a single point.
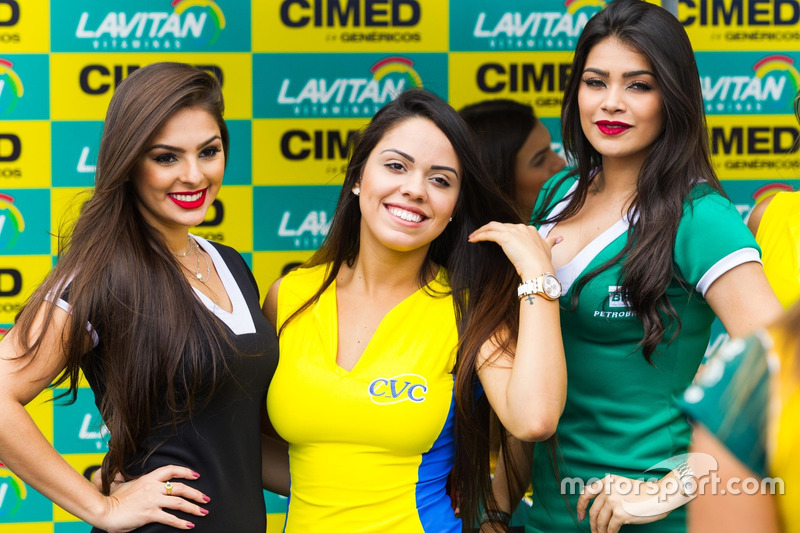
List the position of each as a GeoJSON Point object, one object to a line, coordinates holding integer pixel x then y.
{"type": "Point", "coordinates": [652, 252]}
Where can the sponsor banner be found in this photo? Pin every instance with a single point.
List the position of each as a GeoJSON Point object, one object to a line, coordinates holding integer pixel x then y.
{"type": "Point", "coordinates": [20, 502]}
{"type": "Point", "coordinates": [24, 224]}
{"type": "Point", "coordinates": [85, 82]}
{"type": "Point", "coordinates": [64, 521]}
{"type": "Point", "coordinates": [269, 266]}
{"type": "Point", "coordinates": [75, 146]}
{"type": "Point", "coordinates": [65, 205]}
{"type": "Point", "coordinates": [25, 26]}
{"type": "Point", "coordinates": [745, 194]}
{"type": "Point", "coordinates": [340, 86]}
{"type": "Point", "coordinates": [762, 147]}
{"type": "Point", "coordinates": [239, 169]}
{"type": "Point", "coordinates": [230, 218]}
{"type": "Point", "coordinates": [350, 26]}
{"type": "Point", "coordinates": [4, 329]}
{"type": "Point", "coordinates": [294, 218]}
{"type": "Point", "coordinates": [741, 24]}
{"type": "Point", "coordinates": [536, 79]}
{"type": "Point", "coordinates": [749, 83]}
{"type": "Point", "coordinates": [307, 152]}
{"type": "Point", "coordinates": [151, 26]}
{"type": "Point", "coordinates": [24, 86]}
{"type": "Point", "coordinates": [520, 25]}
{"type": "Point", "coordinates": [79, 428]}
{"type": "Point", "coordinates": [19, 276]}
{"type": "Point", "coordinates": [24, 154]}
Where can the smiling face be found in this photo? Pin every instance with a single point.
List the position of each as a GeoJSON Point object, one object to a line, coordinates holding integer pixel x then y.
{"type": "Point", "coordinates": [180, 173]}
{"type": "Point", "coordinates": [534, 164]}
{"type": "Point", "coordinates": [409, 187]}
{"type": "Point", "coordinates": [620, 102]}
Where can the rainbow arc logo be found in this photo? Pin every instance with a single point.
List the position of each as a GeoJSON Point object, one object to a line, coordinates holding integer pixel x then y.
{"type": "Point", "coordinates": [779, 63]}
{"type": "Point", "coordinates": [217, 15]}
{"type": "Point", "coordinates": [12, 492]}
{"type": "Point", "coordinates": [399, 65]}
{"type": "Point", "coordinates": [11, 89]}
{"type": "Point", "coordinates": [11, 222]}
{"type": "Point", "coordinates": [573, 6]}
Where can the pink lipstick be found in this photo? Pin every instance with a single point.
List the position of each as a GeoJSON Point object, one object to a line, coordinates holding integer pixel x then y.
{"type": "Point", "coordinates": [609, 127]}
{"type": "Point", "coordinates": [189, 199]}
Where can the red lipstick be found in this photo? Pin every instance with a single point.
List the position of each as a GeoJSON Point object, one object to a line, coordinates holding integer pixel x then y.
{"type": "Point", "coordinates": [189, 199]}
{"type": "Point", "coordinates": [610, 127]}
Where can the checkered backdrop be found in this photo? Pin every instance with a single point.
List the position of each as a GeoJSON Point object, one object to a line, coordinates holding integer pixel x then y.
{"type": "Point", "coordinates": [299, 77]}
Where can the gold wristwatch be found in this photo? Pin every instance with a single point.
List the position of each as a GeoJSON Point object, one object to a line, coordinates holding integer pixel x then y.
{"type": "Point", "coordinates": [546, 285]}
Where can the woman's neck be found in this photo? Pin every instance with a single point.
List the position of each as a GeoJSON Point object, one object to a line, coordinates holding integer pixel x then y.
{"type": "Point", "coordinates": [380, 272]}
{"type": "Point", "coordinates": [617, 177]}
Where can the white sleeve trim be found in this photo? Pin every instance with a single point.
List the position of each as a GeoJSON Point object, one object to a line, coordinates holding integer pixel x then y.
{"type": "Point", "coordinates": [63, 304]}
{"type": "Point", "coordinates": [730, 261]}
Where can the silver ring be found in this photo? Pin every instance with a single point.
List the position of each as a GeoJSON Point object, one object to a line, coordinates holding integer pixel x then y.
{"type": "Point", "coordinates": [168, 486]}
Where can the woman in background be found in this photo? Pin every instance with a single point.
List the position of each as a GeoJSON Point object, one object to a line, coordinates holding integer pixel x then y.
{"type": "Point", "coordinates": [166, 327]}
{"type": "Point", "coordinates": [515, 147]}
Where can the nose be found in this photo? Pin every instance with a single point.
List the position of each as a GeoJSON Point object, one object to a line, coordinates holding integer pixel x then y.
{"type": "Point", "coordinates": [556, 163]}
{"type": "Point", "coordinates": [191, 171]}
{"type": "Point", "coordinates": [613, 101]}
{"type": "Point", "coordinates": [413, 187]}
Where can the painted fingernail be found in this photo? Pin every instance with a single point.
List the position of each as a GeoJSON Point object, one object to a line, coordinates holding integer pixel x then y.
{"type": "Point", "coordinates": [559, 239]}
{"type": "Point", "coordinates": [189, 525]}
{"type": "Point", "coordinates": [206, 498]}
{"type": "Point", "coordinates": [204, 511]}
{"type": "Point", "coordinates": [195, 474]}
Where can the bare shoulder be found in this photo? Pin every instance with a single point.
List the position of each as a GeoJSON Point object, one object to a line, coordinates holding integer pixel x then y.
{"type": "Point", "coordinates": [270, 307]}
{"type": "Point", "coordinates": [757, 214]}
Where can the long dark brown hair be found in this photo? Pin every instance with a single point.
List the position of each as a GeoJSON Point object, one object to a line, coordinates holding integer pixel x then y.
{"type": "Point", "coordinates": [678, 160]}
{"type": "Point", "coordinates": [481, 271]}
{"type": "Point", "coordinates": [154, 334]}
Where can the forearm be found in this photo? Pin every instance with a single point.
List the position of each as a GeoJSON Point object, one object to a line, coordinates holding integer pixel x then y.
{"type": "Point", "coordinates": [31, 457]}
{"type": "Point", "coordinates": [275, 465]}
{"type": "Point", "coordinates": [511, 479]}
{"type": "Point", "coordinates": [536, 390]}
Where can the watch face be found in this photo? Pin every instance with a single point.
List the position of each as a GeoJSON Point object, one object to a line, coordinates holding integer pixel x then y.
{"type": "Point", "coordinates": [552, 287]}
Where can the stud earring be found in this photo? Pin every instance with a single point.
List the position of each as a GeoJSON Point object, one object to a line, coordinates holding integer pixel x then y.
{"type": "Point", "coordinates": [356, 190]}
{"type": "Point", "coordinates": [451, 219]}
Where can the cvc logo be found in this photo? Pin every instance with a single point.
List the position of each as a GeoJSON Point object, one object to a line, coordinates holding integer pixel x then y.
{"type": "Point", "coordinates": [405, 387]}
{"type": "Point", "coordinates": [11, 222]}
{"type": "Point", "coordinates": [11, 88]}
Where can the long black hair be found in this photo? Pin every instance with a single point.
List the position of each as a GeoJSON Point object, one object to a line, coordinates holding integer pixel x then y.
{"type": "Point", "coordinates": [679, 157]}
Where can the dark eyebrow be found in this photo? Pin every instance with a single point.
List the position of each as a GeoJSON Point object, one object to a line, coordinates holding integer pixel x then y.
{"type": "Point", "coordinates": [630, 74]}
{"type": "Point", "coordinates": [181, 150]}
{"type": "Point", "coordinates": [537, 154]}
{"type": "Point", "coordinates": [441, 167]}
{"type": "Point", "coordinates": [433, 167]}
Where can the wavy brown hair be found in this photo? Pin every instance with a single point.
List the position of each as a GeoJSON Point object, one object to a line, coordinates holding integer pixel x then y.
{"type": "Point", "coordinates": [481, 271]}
{"type": "Point", "coordinates": [677, 161]}
{"type": "Point", "coordinates": [154, 334]}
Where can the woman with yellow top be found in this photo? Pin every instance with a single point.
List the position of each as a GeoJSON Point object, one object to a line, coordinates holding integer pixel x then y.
{"type": "Point", "coordinates": [385, 371]}
{"type": "Point", "coordinates": [746, 409]}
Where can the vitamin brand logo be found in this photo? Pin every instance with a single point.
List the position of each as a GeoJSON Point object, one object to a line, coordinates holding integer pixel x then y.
{"type": "Point", "coordinates": [405, 387]}
{"type": "Point", "coordinates": [11, 222]}
{"type": "Point", "coordinates": [768, 87]}
{"type": "Point", "coordinates": [192, 24]}
{"type": "Point", "coordinates": [12, 492]}
{"type": "Point", "coordinates": [11, 89]}
{"type": "Point", "coordinates": [547, 28]}
{"type": "Point", "coordinates": [352, 96]}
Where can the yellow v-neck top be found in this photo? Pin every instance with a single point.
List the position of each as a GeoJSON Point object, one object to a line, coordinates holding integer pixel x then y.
{"type": "Point", "coordinates": [370, 449]}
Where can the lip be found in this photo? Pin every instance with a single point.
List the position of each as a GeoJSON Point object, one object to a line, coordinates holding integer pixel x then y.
{"type": "Point", "coordinates": [395, 210]}
{"type": "Point", "coordinates": [611, 127]}
{"type": "Point", "coordinates": [193, 203]}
